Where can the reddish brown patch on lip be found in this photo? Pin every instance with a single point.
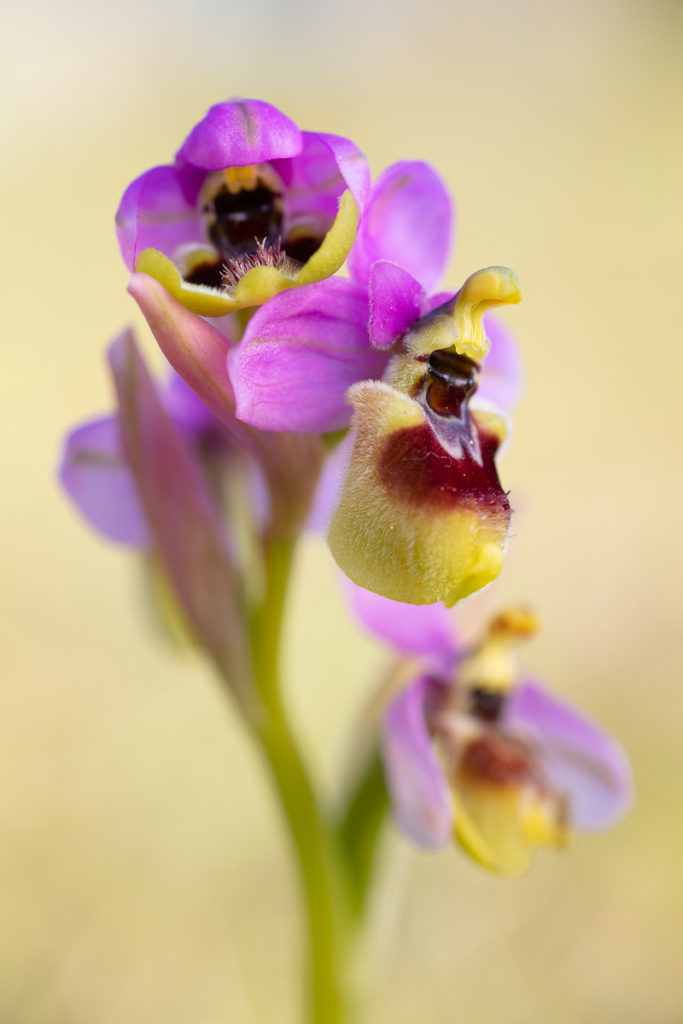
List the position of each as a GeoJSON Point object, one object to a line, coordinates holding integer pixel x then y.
{"type": "Point", "coordinates": [499, 761]}
{"type": "Point", "coordinates": [417, 469]}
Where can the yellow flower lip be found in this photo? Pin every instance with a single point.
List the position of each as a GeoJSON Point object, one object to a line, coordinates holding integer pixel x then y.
{"type": "Point", "coordinates": [502, 826]}
{"type": "Point", "coordinates": [505, 806]}
{"type": "Point", "coordinates": [422, 516]}
{"type": "Point", "coordinates": [415, 522]}
{"type": "Point", "coordinates": [260, 283]}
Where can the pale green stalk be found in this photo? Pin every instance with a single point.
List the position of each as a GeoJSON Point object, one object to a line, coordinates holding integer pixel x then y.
{"type": "Point", "coordinates": [322, 869]}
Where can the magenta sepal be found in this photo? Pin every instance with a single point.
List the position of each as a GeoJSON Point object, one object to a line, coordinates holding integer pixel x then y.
{"type": "Point", "coordinates": [239, 132]}
{"type": "Point", "coordinates": [580, 758]}
{"type": "Point", "coordinates": [94, 473]}
{"type": "Point", "coordinates": [421, 630]}
{"type": "Point", "coordinates": [408, 220]}
{"type": "Point", "coordinates": [396, 301]}
{"type": "Point", "coordinates": [154, 212]}
{"type": "Point", "coordinates": [420, 795]}
{"type": "Point", "coordinates": [299, 355]}
{"type": "Point", "coordinates": [195, 348]}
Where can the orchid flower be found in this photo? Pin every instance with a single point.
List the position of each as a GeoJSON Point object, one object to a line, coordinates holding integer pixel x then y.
{"type": "Point", "coordinates": [374, 403]}
{"type": "Point", "coordinates": [251, 206]}
{"type": "Point", "coordinates": [476, 751]}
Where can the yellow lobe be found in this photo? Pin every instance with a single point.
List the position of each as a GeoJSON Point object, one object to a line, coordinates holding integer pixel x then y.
{"type": "Point", "coordinates": [335, 246]}
{"type": "Point", "coordinates": [491, 422]}
{"type": "Point", "coordinates": [260, 284]}
{"type": "Point", "coordinates": [257, 286]}
{"type": "Point", "coordinates": [411, 547]}
{"type": "Point", "coordinates": [502, 826]}
{"type": "Point", "coordinates": [478, 561]}
{"type": "Point", "coordinates": [198, 298]}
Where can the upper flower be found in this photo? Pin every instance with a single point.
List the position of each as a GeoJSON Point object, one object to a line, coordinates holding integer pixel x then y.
{"type": "Point", "coordinates": [473, 751]}
{"type": "Point", "coordinates": [252, 206]}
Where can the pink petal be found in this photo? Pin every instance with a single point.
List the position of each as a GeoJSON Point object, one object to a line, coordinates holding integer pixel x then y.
{"type": "Point", "coordinates": [417, 629]}
{"type": "Point", "coordinates": [396, 301]}
{"type": "Point", "coordinates": [194, 348]}
{"type": "Point", "coordinates": [185, 408]}
{"type": "Point", "coordinates": [154, 213]}
{"type": "Point", "coordinates": [418, 788]}
{"type": "Point", "coordinates": [97, 478]}
{"type": "Point", "coordinates": [315, 178]}
{"type": "Point", "coordinates": [300, 353]}
{"type": "Point", "coordinates": [240, 132]}
{"type": "Point", "coordinates": [352, 165]}
{"type": "Point", "coordinates": [409, 221]}
{"type": "Point", "coordinates": [582, 761]}
{"type": "Point", "coordinates": [501, 380]}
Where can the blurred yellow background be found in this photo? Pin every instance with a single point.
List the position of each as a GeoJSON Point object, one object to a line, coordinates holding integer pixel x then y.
{"type": "Point", "coordinates": [143, 874]}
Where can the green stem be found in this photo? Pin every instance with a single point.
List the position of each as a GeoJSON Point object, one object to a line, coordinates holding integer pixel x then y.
{"type": "Point", "coordinates": [360, 827]}
{"type": "Point", "coordinates": [323, 879]}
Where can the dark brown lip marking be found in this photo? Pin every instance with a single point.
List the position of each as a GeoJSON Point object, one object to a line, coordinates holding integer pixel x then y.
{"type": "Point", "coordinates": [238, 221]}
{"type": "Point", "coordinates": [207, 274]}
{"type": "Point", "coordinates": [301, 249]}
{"type": "Point", "coordinates": [500, 761]}
{"type": "Point", "coordinates": [417, 469]}
{"type": "Point", "coordinates": [449, 460]}
{"type": "Point", "coordinates": [248, 222]}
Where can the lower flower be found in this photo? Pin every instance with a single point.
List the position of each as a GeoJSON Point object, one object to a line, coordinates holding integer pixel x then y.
{"type": "Point", "coordinates": [475, 754]}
